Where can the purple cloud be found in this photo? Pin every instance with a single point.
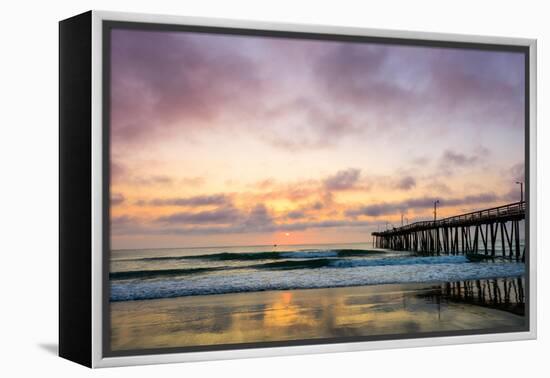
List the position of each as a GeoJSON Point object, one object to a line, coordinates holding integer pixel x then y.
{"type": "Point", "coordinates": [190, 82]}
{"type": "Point", "coordinates": [406, 183]}
{"type": "Point", "coordinates": [218, 216]}
{"type": "Point", "coordinates": [134, 227]}
{"type": "Point", "coordinates": [395, 86]}
{"type": "Point", "coordinates": [459, 159]}
{"type": "Point", "coordinates": [258, 216]}
{"type": "Point", "coordinates": [342, 180]}
{"type": "Point", "coordinates": [296, 214]}
{"type": "Point", "coordinates": [117, 199]}
{"type": "Point", "coordinates": [386, 208]}
{"type": "Point", "coordinates": [166, 80]}
{"type": "Point", "coordinates": [205, 200]}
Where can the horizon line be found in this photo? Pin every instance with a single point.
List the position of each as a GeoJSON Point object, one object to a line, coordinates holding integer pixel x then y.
{"type": "Point", "coordinates": [233, 246]}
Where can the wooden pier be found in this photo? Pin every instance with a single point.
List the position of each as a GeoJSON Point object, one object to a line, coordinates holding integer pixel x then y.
{"type": "Point", "coordinates": [477, 234]}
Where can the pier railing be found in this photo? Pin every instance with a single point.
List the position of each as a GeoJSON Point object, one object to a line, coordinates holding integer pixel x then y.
{"type": "Point", "coordinates": [510, 211]}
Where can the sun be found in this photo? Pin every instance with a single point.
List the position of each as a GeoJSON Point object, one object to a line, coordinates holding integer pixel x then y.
{"type": "Point", "coordinates": [287, 234]}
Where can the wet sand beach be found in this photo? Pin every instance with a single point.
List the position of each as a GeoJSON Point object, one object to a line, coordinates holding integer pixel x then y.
{"type": "Point", "coordinates": [316, 313]}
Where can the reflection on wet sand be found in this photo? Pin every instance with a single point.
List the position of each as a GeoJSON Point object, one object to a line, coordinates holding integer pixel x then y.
{"type": "Point", "coordinates": [505, 294]}
{"type": "Point", "coordinates": [317, 313]}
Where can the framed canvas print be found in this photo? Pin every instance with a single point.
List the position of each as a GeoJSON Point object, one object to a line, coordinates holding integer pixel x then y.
{"type": "Point", "coordinates": [234, 189]}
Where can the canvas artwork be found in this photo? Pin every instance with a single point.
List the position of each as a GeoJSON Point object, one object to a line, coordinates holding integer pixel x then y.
{"type": "Point", "coordinates": [274, 190]}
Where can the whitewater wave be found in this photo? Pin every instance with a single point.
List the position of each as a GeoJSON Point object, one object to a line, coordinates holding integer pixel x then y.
{"type": "Point", "coordinates": [135, 274]}
{"type": "Point", "coordinates": [307, 263]}
{"type": "Point", "coordinates": [263, 280]}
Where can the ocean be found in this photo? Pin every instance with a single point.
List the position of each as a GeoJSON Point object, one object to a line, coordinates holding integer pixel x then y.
{"type": "Point", "coordinates": [167, 273]}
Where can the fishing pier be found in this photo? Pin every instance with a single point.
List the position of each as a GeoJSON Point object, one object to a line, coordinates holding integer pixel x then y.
{"type": "Point", "coordinates": [490, 232]}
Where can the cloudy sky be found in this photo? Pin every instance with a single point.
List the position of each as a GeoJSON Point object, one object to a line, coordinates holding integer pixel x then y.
{"type": "Point", "coordinates": [239, 140]}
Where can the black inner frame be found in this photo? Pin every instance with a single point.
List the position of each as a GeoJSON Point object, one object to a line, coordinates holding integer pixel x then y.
{"type": "Point", "coordinates": [108, 26]}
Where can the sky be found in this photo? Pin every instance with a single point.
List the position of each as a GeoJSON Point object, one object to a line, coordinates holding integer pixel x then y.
{"type": "Point", "coordinates": [221, 140]}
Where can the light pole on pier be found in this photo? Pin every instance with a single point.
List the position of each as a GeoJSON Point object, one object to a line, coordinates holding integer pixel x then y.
{"type": "Point", "coordinates": [436, 202]}
{"type": "Point", "coordinates": [521, 189]}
